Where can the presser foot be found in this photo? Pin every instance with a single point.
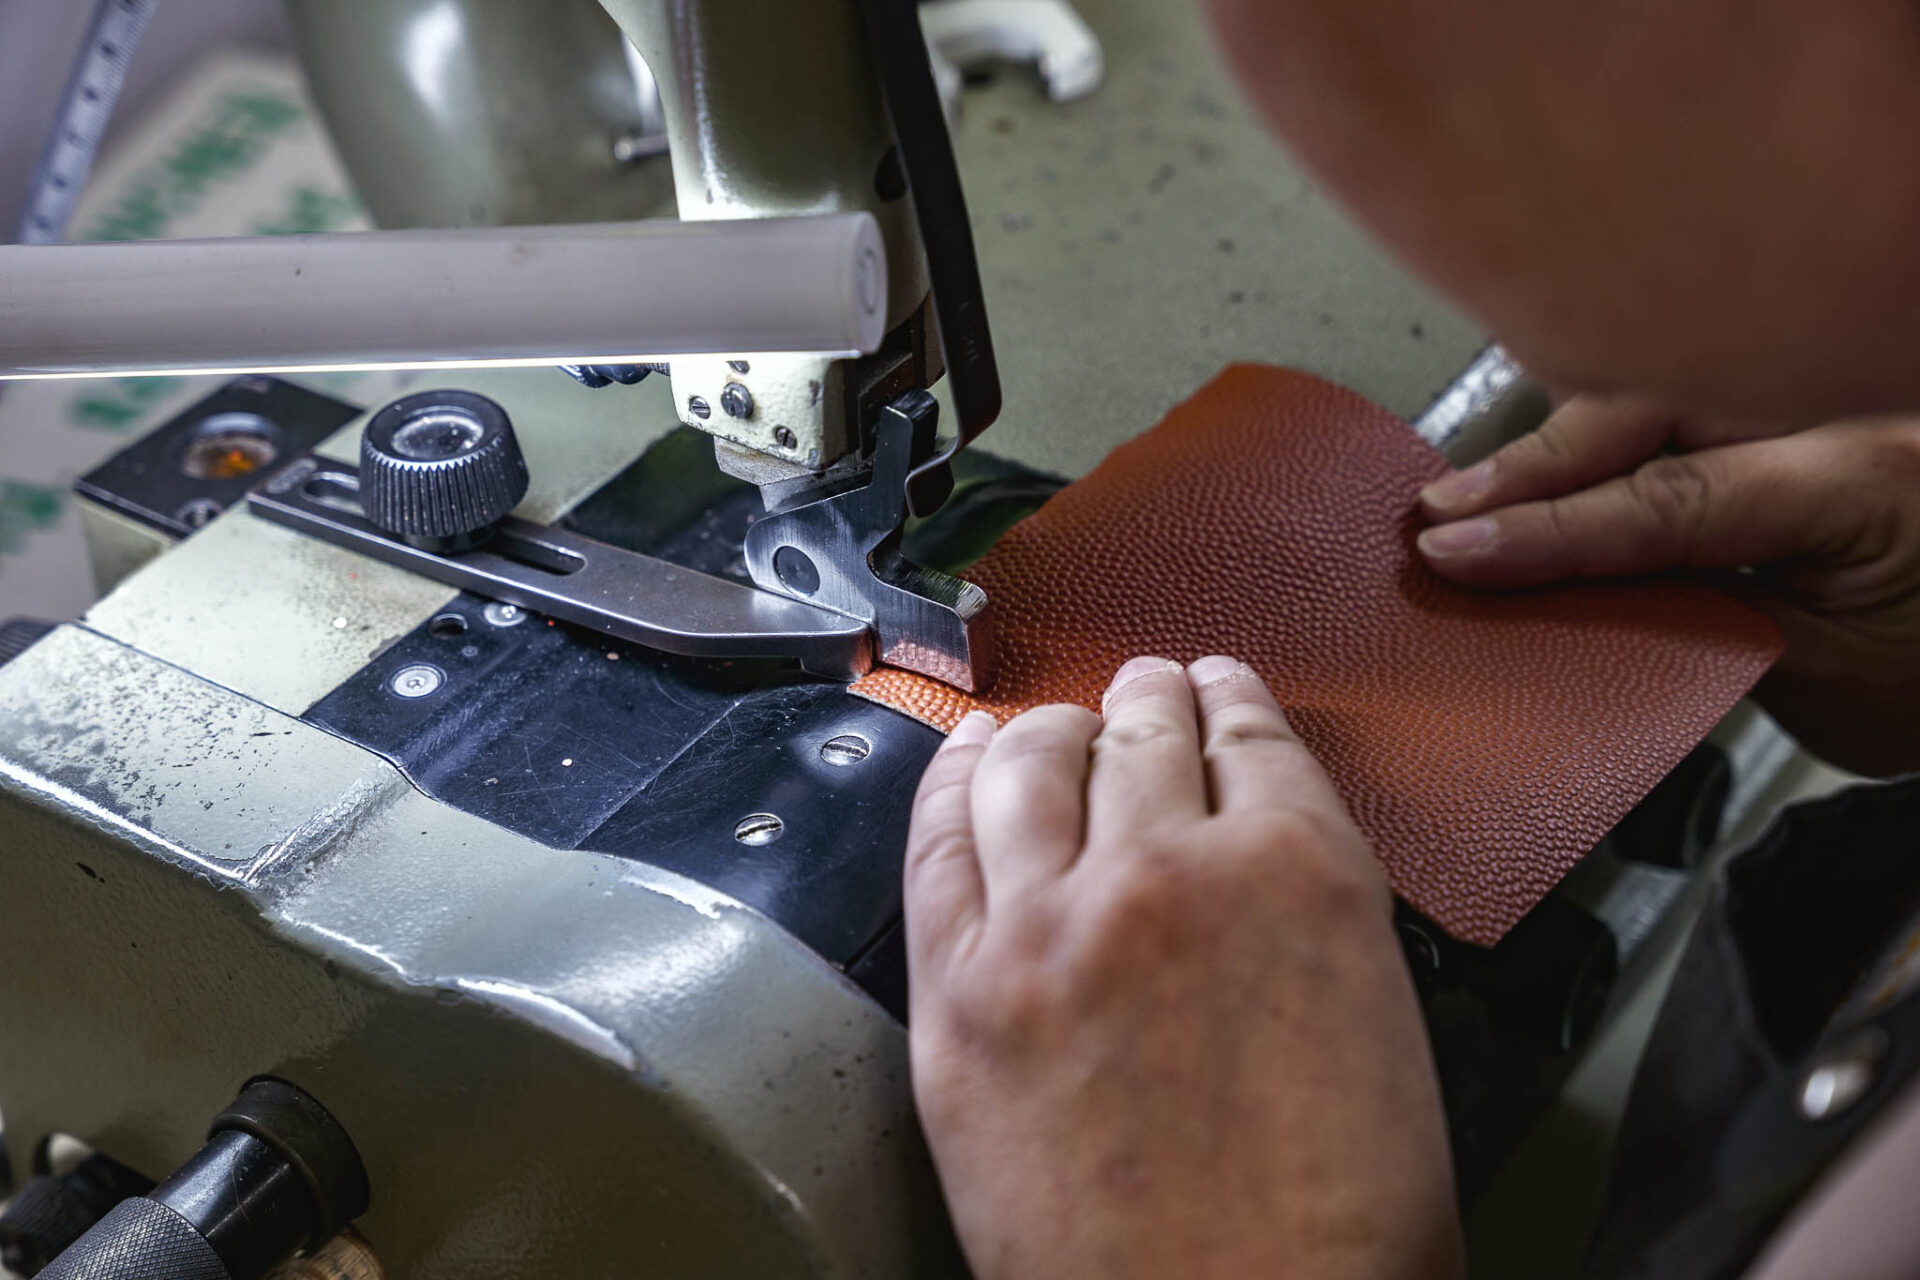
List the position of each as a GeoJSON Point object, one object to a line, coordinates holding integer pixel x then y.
{"type": "Point", "coordinates": [842, 552]}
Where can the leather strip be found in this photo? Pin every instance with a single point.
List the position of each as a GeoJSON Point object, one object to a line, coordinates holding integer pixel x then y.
{"type": "Point", "coordinates": [1484, 742]}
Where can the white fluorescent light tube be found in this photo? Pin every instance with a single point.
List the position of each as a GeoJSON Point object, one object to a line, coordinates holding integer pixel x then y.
{"type": "Point", "coordinates": [494, 297]}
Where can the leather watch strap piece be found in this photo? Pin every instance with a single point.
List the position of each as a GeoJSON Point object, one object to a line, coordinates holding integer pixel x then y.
{"type": "Point", "coordinates": [1485, 742]}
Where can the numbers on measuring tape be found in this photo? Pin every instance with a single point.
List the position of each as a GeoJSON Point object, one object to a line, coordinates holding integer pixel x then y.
{"type": "Point", "coordinates": [99, 74]}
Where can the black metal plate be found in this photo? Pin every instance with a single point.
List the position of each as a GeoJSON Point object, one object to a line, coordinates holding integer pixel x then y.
{"type": "Point", "coordinates": [832, 876]}
{"type": "Point", "coordinates": [542, 728]}
{"type": "Point", "coordinates": [584, 743]}
{"type": "Point", "coordinates": [145, 480]}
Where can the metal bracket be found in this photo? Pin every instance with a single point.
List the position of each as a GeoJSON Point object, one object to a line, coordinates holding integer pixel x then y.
{"type": "Point", "coordinates": [953, 262]}
{"type": "Point", "coordinates": [843, 552]}
{"type": "Point", "coordinates": [579, 580]}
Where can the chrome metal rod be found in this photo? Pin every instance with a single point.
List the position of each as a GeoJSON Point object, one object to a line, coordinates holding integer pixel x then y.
{"type": "Point", "coordinates": [602, 293]}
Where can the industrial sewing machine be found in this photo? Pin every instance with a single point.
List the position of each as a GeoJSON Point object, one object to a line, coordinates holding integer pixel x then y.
{"type": "Point", "coordinates": [477, 768]}
{"type": "Point", "coordinates": [623, 1009]}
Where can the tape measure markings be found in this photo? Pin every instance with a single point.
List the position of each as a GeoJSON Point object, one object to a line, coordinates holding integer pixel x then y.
{"type": "Point", "coordinates": [99, 75]}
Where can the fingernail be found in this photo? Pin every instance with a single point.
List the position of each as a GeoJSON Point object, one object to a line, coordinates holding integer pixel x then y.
{"type": "Point", "coordinates": [1217, 668]}
{"type": "Point", "coordinates": [1458, 488]}
{"type": "Point", "coordinates": [1135, 669]}
{"type": "Point", "coordinates": [973, 731]}
{"type": "Point", "coordinates": [1446, 541]}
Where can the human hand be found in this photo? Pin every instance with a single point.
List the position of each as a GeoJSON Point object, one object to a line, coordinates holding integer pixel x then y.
{"type": "Point", "coordinates": [1161, 1022]}
{"type": "Point", "coordinates": [1827, 521]}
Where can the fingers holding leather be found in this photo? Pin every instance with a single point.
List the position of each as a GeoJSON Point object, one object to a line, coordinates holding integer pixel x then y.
{"type": "Point", "coordinates": [1029, 802]}
{"type": "Point", "coordinates": [1726, 508]}
{"type": "Point", "coordinates": [1254, 760]}
{"type": "Point", "coordinates": [1146, 761]}
{"type": "Point", "coordinates": [945, 893]}
{"type": "Point", "coordinates": [1589, 439]}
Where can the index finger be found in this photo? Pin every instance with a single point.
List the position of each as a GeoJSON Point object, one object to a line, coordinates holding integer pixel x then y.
{"type": "Point", "coordinates": [1587, 440]}
{"type": "Point", "coordinates": [1801, 496]}
{"type": "Point", "coordinates": [944, 891]}
{"type": "Point", "coordinates": [1146, 761]}
{"type": "Point", "coordinates": [1255, 761]}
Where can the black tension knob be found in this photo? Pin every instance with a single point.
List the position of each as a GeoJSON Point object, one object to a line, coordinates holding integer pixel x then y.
{"type": "Point", "coordinates": [53, 1211]}
{"type": "Point", "coordinates": [278, 1174]}
{"type": "Point", "coordinates": [439, 469]}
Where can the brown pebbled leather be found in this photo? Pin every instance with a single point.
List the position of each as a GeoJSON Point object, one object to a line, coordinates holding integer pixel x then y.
{"type": "Point", "coordinates": [1484, 742]}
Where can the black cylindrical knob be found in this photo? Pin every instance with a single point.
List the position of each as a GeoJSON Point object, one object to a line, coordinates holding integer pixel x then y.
{"type": "Point", "coordinates": [439, 469]}
{"type": "Point", "coordinates": [141, 1239]}
{"type": "Point", "coordinates": [277, 1175]}
{"type": "Point", "coordinates": [245, 1200]}
{"type": "Point", "coordinates": [51, 1212]}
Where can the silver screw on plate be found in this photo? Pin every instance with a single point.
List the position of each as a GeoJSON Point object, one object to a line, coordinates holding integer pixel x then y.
{"type": "Point", "coordinates": [504, 615]}
{"type": "Point", "coordinates": [417, 681]}
{"type": "Point", "coordinates": [847, 749]}
{"type": "Point", "coordinates": [759, 828]}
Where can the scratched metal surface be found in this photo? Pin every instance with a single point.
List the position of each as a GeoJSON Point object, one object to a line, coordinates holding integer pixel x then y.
{"type": "Point", "coordinates": [528, 1044]}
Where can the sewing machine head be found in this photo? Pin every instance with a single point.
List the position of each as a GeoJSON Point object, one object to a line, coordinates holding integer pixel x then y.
{"type": "Point", "coordinates": [829, 107]}
{"type": "Point", "coordinates": [820, 279]}
{"type": "Point", "coordinates": [831, 110]}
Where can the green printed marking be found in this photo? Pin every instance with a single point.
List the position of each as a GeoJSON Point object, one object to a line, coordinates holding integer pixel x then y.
{"type": "Point", "coordinates": [265, 110]}
{"type": "Point", "coordinates": [310, 211]}
{"type": "Point", "coordinates": [25, 509]}
{"type": "Point", "coordinates": [118, 405]}
{"type": "Point", "coordinates": [228, 143]}
{"type": "Point", "coordinates": [205, 158]}
{"type": "Point", "coordinates": [138, 215]}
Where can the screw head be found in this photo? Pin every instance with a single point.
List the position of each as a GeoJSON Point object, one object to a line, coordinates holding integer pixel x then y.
{"type": "Point", "coordinates": [1842, 1075]}
{"type": "Point", "coordinates": [796, 571]}
{"type": "Point", "coordinates": [737, 401]}
{"type": "Point", "coordinates": [759, 829]}
{"type": "Point", "coordinates": [699, 408]}
{"type": "Point", "coordinates": [846, 750]}
{"type": "Point", "coordinates": [504, 615]}
{"type": "Point", "coordinates": [784, 437]}
{"type": "Point", "coordinates": [417, 681]}
{"type": "Point", "coordinates": [199, 513]}
{"type": "Point", "coordinates": [739, 366]}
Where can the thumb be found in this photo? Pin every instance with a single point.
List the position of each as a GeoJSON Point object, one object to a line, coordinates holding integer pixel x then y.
{"type": "Point", "coordinates": [1803, 496]}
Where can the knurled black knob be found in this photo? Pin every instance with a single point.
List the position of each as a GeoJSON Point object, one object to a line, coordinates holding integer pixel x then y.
{"type": "Point", "coordinates": [440, 469]}
{"type": "Point", "coordinates": [51, 1212]}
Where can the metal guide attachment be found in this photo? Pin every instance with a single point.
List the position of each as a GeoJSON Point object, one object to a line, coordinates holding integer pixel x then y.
{"type": "Point", "coordinates": [578, 580]}
{"type": "Point", "coordinates": [833, 588]}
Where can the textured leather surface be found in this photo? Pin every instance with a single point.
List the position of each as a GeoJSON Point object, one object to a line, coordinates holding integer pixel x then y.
{"type": "Point", "coordinates": [1484, 742]}
{"type": "Point", "coordinates": [140, 1239]}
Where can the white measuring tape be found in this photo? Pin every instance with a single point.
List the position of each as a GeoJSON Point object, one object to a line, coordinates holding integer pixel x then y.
{"type": "Point", "coordinates": [98, 77]}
